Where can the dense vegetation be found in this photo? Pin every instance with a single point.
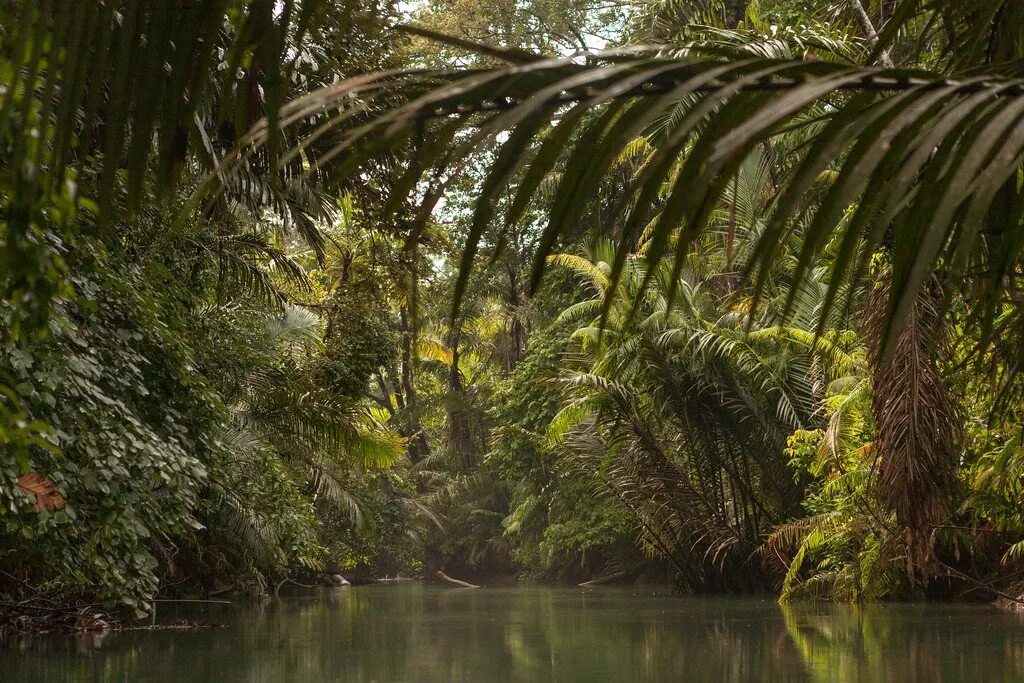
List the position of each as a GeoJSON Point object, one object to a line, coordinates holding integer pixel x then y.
{"type": "Point", "coordinates": [266, 318]}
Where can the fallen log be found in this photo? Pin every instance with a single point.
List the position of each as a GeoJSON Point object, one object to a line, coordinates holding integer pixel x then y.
{"type": "Point", "coordinates": [606, 579]}
{"type": "Point", "coordinates": [454, 582]}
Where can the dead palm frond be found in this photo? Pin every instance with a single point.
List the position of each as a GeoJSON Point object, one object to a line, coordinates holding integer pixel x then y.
{"type": "Point", "coordinates": [917, 427]}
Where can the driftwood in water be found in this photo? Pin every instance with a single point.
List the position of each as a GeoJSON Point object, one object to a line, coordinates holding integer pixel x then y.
{"type": "Point", "coordinates": [606, 579]}
{"type": "Point", "coordinates": [394, 579]}
{"type": "Point", "coordinates": [454, 582]}
{"type": "Point", "coordinates": [630, 575]}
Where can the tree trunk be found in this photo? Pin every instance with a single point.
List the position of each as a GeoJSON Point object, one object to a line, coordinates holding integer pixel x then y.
{"type": "Point", "coordinates": [601, 580]}
{"type": "Point", "coordinates": [735, 12]}
{"type": "Point", "coordinates": [514, 342]}
{"type": "Point", "coordinates": [418, 446]}
{"type": "Point", "coordinates": [867, 29]}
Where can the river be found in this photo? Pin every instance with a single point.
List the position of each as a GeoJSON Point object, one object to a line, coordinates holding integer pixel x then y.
{"type": "Point", "coordinates": [416, 632]}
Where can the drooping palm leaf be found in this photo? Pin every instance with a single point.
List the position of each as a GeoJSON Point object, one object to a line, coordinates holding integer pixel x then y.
{"type": "Point", "coordinates": [111, 89]}
{"type": "Point", "coordinates": [125, 78]}
{"type": "Point", "coordinates": [918, 430]}
{"type": "Point", "coordinates": [920, 155]}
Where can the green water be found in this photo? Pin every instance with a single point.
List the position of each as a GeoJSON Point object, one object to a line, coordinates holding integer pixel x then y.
{"type": "Point", "coordinates": [414, 632]}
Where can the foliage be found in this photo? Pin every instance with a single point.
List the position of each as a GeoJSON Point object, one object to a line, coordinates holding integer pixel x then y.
{"type": "Point", "coordinates": [360, 341]}
{"type": "Point", "coordinates": [130, 433]}
{"type": "Point", "coordinates": [879, 135]}
{"type": "Point", "coordinates": [556, 524]}
{"type": "Point", "coordinates": [271, 286]}
{"type": "Point", "coordinates": [847, 547]}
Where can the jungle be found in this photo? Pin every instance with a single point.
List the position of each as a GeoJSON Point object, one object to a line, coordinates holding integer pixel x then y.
{"type": "Point", "coordinates": [725, 294]}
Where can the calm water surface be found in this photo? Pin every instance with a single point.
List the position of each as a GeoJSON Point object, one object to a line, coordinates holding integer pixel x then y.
{"type": "Point", "coordinates": [414, 632]}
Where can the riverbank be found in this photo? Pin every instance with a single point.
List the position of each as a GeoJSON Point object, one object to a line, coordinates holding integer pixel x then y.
{"type": "Point", "coordinates": [39, 614]}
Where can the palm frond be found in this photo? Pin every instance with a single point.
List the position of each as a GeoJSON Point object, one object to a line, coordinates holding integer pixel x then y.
{"type": "Point", "coordinates": [917, 426]}
{"type": "Point", "coordinates": [898, 138]}
{"type": "Point", "coordinates": [140, 68]}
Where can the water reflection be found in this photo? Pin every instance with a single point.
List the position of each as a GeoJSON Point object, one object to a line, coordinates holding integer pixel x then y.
{"type": "Point", "coordinates": [425, 633]}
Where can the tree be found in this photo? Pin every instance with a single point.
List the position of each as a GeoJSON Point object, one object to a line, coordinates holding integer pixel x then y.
{"type": "Point", "coordinates": [924, 162]}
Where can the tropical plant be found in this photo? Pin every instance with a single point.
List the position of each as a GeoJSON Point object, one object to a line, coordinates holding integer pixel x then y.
{"type": "Point", "coordinates": [921, 164]}
{"type": "Point", "coordinates": [681, 413]}
{"type": "Point", "coordinates": [287, 244]}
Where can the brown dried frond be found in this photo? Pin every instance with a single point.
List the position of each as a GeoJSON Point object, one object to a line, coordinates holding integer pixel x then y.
{"type": "Point", "coordinates": [917, 425]}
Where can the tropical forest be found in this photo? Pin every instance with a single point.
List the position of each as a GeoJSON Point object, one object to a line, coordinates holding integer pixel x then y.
{"type": "Point", "coordinates": [377, 298]}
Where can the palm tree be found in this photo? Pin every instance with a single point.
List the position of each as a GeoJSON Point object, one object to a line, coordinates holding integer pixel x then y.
{"type": "Point", "coordinates": [681, 414]}
{"type": "Point", "coordinates": [887, 132]}
{"type": "Point", "coordinates": [923, 159]}
{"type": "Point", "coordinates": [920, 163]}
{"type": "Point", "coordinates": [895, 139]}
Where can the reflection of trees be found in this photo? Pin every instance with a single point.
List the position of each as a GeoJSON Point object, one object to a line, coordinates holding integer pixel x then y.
{"type": "Point", "coordinates": [534, 634]}
{"type": "Point", "coordinates": [902, 642]}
